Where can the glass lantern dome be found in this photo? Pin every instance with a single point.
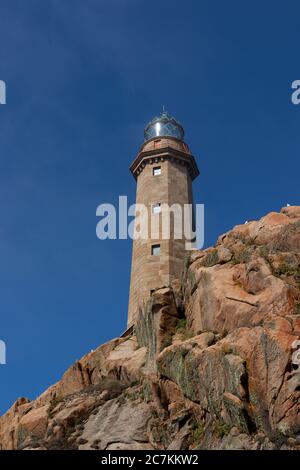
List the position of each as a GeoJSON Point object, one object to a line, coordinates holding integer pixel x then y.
{"type": "Point", "coordinates": [164, 126]}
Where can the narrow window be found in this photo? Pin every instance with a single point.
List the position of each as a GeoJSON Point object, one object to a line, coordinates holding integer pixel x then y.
{"type": "Point", "coordinates": [156, 171]}
{"type": "Point", "coordinates": [155, 250]}
{"type": "Point", "coordinates": [156, 208]}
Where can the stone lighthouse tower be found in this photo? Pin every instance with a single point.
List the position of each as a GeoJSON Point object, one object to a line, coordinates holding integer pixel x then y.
{"type": "Point", "coordinates": [164, 170]}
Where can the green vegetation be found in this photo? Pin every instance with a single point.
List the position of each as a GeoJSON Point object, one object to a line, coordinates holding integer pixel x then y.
{"type": "Point", "coordinates": [22, 433]}
{"type": "Point", "coordinates": [114, 386]}
{"type": "Point", "coordinates": [186, 261]}
{"type": "Point", "coordinates": [192, 281]}
{"type": "Point", "coordinates": [161, 435]}
{"type": "Point", "coordinates": [141, 392]}
{"type": "Point", "coordinates": [132, 395]}
{"type": "Point", "coordinates": [181, 325]}
{"type": "Point", "coordinates": [221, 428]}
{"type": "Point", "coordinates": [211, 259]}
{"type": "Point", "coordinates": [241, 257]}
{"type": "Point", "coordinates": [290, 272]}
{"type": "Point", "coordinates": [297, 308]}
{"type": "Point", "coordinates": [235, 235]}
{"type": "Point", "coordinates": [53, 404]}
{"type": "Point", "coordinates": [182, 330]}
{"type": "Point", "coordinates": [146, 393]}
{"type": "Point", "coordinates": [278, 439]}
{"type": "Point", "coordinates": [264, 252]}
{"type": "Point", "coordinates": [286, 269]}
{"type": "Point", "coordinates": [198, 432]}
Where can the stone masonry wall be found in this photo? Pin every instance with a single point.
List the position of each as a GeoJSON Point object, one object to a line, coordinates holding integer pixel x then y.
{"type": "Point", "coordinates": [148, 272]}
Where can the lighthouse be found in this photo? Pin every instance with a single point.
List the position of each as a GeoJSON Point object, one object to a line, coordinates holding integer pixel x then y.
{"type": "Point", "coordinates": [164, 169]}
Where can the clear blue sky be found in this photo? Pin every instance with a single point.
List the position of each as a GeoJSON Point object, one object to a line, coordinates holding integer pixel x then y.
{"type": "Point", "coordinates": [83, 78]}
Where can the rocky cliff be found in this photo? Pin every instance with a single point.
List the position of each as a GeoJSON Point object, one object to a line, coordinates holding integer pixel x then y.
{"type": "Point", "coordinates": [212, 363]}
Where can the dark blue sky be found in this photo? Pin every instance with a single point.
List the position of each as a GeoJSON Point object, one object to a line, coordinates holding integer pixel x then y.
{"type": "Point", "coordinates": [83, 78]}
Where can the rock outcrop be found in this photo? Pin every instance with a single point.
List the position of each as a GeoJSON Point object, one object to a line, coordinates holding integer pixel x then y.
{"type": "Point", "coordinates": [213, 362]}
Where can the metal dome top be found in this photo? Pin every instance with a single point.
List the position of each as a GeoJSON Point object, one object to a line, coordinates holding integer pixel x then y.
{"type": "Point", "coordinates": [164, 126]}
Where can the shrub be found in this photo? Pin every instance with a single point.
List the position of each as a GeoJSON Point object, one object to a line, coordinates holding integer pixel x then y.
{"type": "Point", "coordinates": [241, 257]}
{"type": "Point", "coordinates": [264, 252]}
{"type": "Point", "coordinates": [22, 433]}
{"type": "Point", "coordinates": [286, 269]}
{"type": "Point", "coordinates": [278, 439]}
{"type": "Point", "coordinates": [192, 281]}
{"type": "Point", "coordinates": [181, 324]}
{"type": "Point", "coordinates": [211, 259]}
{"type": "Point", "coordinates": [182, 330]}
{"type": "Point", "coordinates": [52, 405]}
{"type": "Point", "coordinates": [221, 428]}
{"type": "Point", "coordinates": [297, 308]}
{"type": "Point", "coordinates": [186, 261]}
{"type": "Point", "coordinates": [198, 432]}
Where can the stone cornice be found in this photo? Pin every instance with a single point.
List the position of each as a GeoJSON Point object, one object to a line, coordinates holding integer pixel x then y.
{"type": "Point", "coordinates": [162, 154]}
